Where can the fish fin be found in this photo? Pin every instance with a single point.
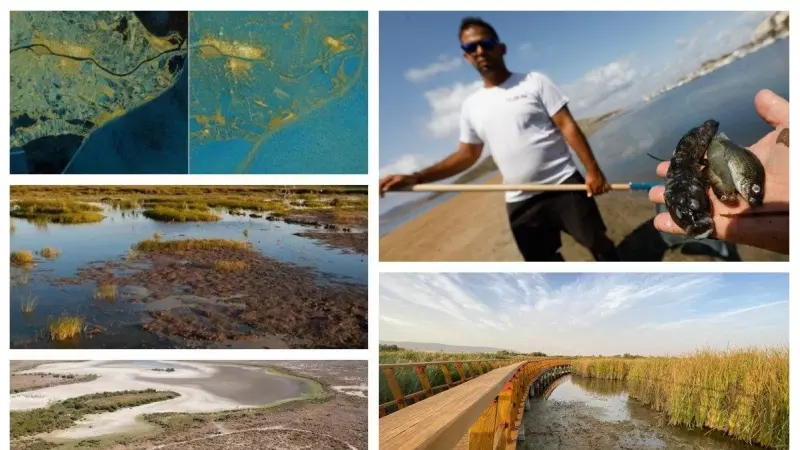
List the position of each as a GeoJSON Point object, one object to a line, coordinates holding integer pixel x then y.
{"type": "Point", "coordinates": [657, 159]}
{"type": "Point", "coordinates": [722, 136]}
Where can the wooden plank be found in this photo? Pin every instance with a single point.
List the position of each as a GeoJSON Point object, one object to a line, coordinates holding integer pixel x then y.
{"type": "Point", "coordinates": [441, 421]}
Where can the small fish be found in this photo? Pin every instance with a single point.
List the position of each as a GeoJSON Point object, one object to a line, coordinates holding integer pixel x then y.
{"type": "Point", "coordinates": [732, 169]}
{"type": "Point", "coordinates": [684, 188]}
{"type": "Point", "coordinates": [783, 137]}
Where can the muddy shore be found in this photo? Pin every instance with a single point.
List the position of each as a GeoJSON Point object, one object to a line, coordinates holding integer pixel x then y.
{"type": "Point", "coordinates": [267, 303]}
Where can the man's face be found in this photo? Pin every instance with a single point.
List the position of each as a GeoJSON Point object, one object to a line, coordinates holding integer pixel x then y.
{"type": "Point", "coordinates": [481, 50]}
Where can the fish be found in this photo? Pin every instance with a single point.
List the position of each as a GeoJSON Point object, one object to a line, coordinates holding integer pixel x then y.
{"type": "Point", "coordinates": [685, 187]}
{"type": "Point", "coordinates": [734, 169]}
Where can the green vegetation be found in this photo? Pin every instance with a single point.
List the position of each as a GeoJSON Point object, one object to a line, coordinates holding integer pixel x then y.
{"type": "Point", "coordinates": [65, 327]}
{"type": "Point", "coordinates": [50, 253]}
{"type": "Point", "coordinates": [163, 214]}
{"type": "Point", "coordinates": [44, 211]}
{"type": "Point", "coordinates": [408, 379]}
{"type": "Point", "coordinates": [246, 232]}
{"type": "Point", "coordinates": [13, 228]}
{"type": "Point", "coordinates": [105, 291]}
{"type": "Point", "coordinates": [158, 235]}
{"type": "Point", "coordinates": [744, 393]}
{"type": "Point", "coordinates": [21, 258]}
{"type": "Point", "coordinates": [229, 266]}
{"type": "Point", "coordinates": [64, 414]}
{"type": "Point", "coordinates": [152, 245]}
{"type": "Point", "coordinates": [28, 304]}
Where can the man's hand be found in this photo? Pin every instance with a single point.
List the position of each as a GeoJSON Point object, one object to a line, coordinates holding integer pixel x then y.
{"type": "Point", "coordinates": [767, 232]}
{"type": "Point", "coordinates": [396, 181]}
{"type": "Point", "coordinates": [596, 183]}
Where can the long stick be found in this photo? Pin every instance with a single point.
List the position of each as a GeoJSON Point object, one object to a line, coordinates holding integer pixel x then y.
{"type": "Point", "coordinates": [518, 187]}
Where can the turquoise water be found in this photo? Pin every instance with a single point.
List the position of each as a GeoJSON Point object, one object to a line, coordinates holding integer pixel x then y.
{"type": "Point", "coordinates": [621, 146]}
{"type": "Point", "coordinates": [278, 92]}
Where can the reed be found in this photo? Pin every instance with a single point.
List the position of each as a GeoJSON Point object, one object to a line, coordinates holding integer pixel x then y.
{"type": "Point", "coordinates": [105, 291]}
{"type": "Point", "coordinates": [741, 392]}
{"type": "Point", "coordinates": [164, 214]}
{"type": "Point", "coordinates": [22, 258]}
{"type": "Point", "coordinates": [28, 304]}
{"type": "Point", "coordinates": [50, 253]}
{"type": "Point", "coordinates": [152, 245]}
{"type": "Point", "coordinates": [65, 327]}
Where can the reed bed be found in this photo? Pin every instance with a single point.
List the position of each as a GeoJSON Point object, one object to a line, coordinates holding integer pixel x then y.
{"type": "Point", "coordinates": [22, 258]}
{"type": "Point", "coordinates": [50, 253]}
{"type": "Point", "coordinates": [65, 327]}
{"type": "Point", "coordinates": [56, 211]}
{"type": "Point", "coordinates": [155, 245]}
{"type": "Point", "coordinates": [164, 214]}
{"type": "Point", "coordinates": [742, 392]}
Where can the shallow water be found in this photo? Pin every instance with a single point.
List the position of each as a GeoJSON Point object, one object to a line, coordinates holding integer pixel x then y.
{"type": "Point", "coordinates": [111, 239]}
{"type": "Point", "coordinates": [598, 414]}
{"type": "Point", "coordinates": [621, 146]}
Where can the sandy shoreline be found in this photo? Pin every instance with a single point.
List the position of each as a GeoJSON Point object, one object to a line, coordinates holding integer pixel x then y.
{"type": "Point", "coordinates": [474, 227]}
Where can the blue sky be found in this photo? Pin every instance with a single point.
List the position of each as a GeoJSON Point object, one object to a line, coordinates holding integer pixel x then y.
{"type": "Point", "coordinates": [568, 314]}
{"type": "Point", "coordinates": [602, 60]}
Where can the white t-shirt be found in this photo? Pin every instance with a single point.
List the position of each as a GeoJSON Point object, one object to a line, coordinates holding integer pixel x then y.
{"type": "Point", "coordinates": [514, 121]}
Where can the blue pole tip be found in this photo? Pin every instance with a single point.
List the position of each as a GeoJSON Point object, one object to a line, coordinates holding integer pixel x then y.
{"type": "Point", "coordinates": [643, 186]}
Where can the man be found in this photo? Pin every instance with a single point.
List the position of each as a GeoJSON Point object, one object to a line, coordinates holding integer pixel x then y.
{"type": "Point", "coordinates": [524, 120]}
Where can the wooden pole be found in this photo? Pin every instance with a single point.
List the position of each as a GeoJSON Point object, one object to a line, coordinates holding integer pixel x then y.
{"type": "Point", "coordinates": [517, 187]}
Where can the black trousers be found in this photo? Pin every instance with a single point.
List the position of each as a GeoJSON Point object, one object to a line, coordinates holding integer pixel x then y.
{"type": "Point", "coordinates": [537, 224]}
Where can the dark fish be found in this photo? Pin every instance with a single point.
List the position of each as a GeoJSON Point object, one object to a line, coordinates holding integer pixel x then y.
{"type": "Point", "coordinates": [684, 188]}
{"type": "Point", "coordinates": [717, 173]}
{"type": "Point", "coordinates": [739, 167]}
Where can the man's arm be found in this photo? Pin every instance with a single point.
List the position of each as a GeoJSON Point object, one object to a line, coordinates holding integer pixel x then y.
{"type": "Point", "coordinates": [575, 138]}
{"type": "Point", "coordinates": [596, 183]}
{"type": "Point", "coordinates": [459, 161]}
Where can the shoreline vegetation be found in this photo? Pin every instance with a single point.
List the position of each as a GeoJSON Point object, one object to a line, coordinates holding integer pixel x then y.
{"type": "Point", "coordinates": [743, 393]}
{"type": "Point", "coordinates": [338, 205]}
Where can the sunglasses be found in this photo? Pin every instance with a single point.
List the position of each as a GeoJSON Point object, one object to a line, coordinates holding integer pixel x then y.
{"type": "Point", "coordinates": [486, 44]}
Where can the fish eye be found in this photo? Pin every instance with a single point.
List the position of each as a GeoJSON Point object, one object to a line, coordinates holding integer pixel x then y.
{"type": "Point", "coordinates": [756, 188]}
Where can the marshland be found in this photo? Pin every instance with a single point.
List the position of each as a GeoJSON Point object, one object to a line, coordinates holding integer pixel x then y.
{"type": "Point", "coordinates": [188, 266]}
{"type": "Point", "coordinates": [733, 399]}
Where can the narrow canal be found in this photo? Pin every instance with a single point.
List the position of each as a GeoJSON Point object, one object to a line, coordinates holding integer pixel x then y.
{"type": "Point", "coordinates": [592, 414]}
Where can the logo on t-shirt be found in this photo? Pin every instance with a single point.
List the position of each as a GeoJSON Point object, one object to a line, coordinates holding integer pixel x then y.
{"type": "Point", "coordinates": [518, 97]}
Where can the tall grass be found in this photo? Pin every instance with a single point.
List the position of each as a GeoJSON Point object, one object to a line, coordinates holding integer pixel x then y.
{"type": "Point", "coordinates": [153, 245]}
{"type": "Point", "coordinates": [105, 291]}
{"type": "Point", "coordinates": [28, 304]}
{"type": "Point", "coordinates": [163, 214]}
{"type": "Point", "coordinates": [50, 253]}
{"type": "Point", "coordinates": [65, 327]}
{"type": "Point", "coordinates": [22, 258]}
{"type": "Point", "coordinates": [743, 392]}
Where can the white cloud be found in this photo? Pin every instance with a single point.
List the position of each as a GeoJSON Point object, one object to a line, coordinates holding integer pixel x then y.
{"type": "Point", "coordinates": [444, 64]}
{"type": "Point", "coordinates": [609, 85]}
{"type": "Point", "coordinates": [686, 43]}
{"type": "Point", "coordinates": [587, 314]}
{"type": "Point", "coordinates": [526, 47]}
{"type": "Point", "coordinates": [408, 163]}
{"type": "Point", "coordinates": [396, 321]}
{"type": "Point", "coordinates": [445, 104]}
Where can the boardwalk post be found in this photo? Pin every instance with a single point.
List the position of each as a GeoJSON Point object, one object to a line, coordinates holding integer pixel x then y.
{"type": "Point", "coordinates": [394, 386]}
{"type": "Point", "coordinates": [423, 379]}
{"type": "Point", "coordinates": [481, 433]}
{"type": "Point", "coordinates": [504, 414]}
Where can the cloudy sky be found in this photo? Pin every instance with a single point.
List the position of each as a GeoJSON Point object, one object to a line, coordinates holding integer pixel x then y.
{"type": "Point", "coordinates": [570, 314]}
{"type": "Point", "coordinates": [602, 60]}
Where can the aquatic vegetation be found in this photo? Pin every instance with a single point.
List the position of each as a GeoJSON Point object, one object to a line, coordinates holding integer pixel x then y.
{"type": "Point", "coordinates": [246, 232]}
{"type": "Point", "coordinates": [158, 235]}
{"type": "Point", "coordinates": [28, 304]}
{"type": "Point", "coordinates": [227, 266]}
{"type": "Point", "coordinates": [604, 368]}
{"type": "Point", "coordinates": [64, 414]}
{"type": "Point", "coordinates": [21, 258]}
{"type": "Point", "coordinates": [65, 327]}
{"type": "Point", "coordinates": [21, 278]}
{"type": "Point", "coordinates": [744, 392]}
{"type": "Point", "coordinates": [315, 204]}
{"type": "Point", "coordinates": [164, 214]}
{"type": "Point", "coordinates": [50, 253]}
{"type": "Point", "coordinates": [13, 228]}
{"type": "Point", "coordinates": [152, 245]}
{"type": "Point", "coordinates": [105, 291]}
{"type": "Point", "coordinates": [56, 211]}
{"type": "Point", "coordinates": [132, 254]}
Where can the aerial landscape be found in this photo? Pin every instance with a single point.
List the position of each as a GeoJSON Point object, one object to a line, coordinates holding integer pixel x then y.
{"type": "Point", "coordinates": [598, 361]}
{"type": "Point", "coordinates": [188, 267]}
{"type": "Point", "coordinates": [98, 92]}
{"type": "Point", "coordinates": [278, 92]}
{"type": "Point", "coordinates": [195, 405]}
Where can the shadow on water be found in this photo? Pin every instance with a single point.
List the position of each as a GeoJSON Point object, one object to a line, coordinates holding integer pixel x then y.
{"type": "Point", "coordinates": [116, 323]}
{"type": "Point", "coordinates": [593, 414]}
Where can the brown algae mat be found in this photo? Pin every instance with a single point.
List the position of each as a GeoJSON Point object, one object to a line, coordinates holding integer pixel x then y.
{"type": "Point", "coordinates": [210, 293]}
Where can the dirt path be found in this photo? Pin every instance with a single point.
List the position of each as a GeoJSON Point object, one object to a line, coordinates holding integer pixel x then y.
{"type": "Point", "coordinates": [474, 227]}
{"type": "Point", "coordinates": [222, 431]}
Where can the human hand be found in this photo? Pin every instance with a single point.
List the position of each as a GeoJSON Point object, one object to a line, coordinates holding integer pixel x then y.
{"type": "Point", "coordinates": [596, 183]}
{"type": "Point", "coordinates": [396, 181]}
{"type": "Point", "coordinates": [770, 232]}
